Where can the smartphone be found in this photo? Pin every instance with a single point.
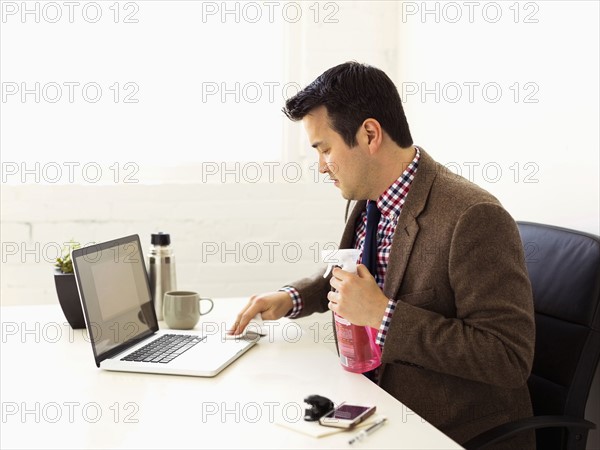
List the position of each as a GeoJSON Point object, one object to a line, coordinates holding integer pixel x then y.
{"type": "Point", "coordinates": [346, 416]}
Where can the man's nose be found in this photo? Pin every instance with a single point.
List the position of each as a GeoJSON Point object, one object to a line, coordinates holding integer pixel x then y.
{"type": "Point", "coordinates": [323, 167]}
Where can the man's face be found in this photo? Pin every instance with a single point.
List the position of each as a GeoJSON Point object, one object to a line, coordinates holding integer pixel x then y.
{"type": "Point", "coordinates": [347, 166]}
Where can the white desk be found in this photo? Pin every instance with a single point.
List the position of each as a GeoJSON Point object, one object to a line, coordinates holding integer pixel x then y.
{"type": "Point", "coordinates": [53, 396]}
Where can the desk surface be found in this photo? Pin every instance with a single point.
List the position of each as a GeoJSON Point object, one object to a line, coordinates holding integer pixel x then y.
{"type": "Point", "coordinates": [53, 396]}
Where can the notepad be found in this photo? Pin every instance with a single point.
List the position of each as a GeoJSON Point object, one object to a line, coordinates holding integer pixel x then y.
{"type": "Point", "coordinates": [314, 429]}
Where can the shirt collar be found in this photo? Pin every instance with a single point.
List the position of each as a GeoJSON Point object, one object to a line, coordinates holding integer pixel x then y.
{"type": "Point", "coordinates": [391, 201]}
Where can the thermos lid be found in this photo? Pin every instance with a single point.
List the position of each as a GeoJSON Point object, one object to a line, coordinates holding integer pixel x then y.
{"type": "Point", "coordinates": [161, 239]}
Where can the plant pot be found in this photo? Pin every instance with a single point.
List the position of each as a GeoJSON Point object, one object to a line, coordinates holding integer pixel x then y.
{"type": "Point", "coordinates": [68, 297]}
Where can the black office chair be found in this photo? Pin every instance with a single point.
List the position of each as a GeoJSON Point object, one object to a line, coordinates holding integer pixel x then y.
{"type": "Point", "coordinates": [564, 269]}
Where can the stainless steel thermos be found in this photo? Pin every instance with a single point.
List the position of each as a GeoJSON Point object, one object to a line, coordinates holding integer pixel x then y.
{"type": "Point", "coordinates": [161, 270]}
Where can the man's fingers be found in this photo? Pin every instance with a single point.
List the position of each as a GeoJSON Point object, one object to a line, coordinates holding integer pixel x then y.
{"type": "Point", "coordinates": [246, 316]}
{"type": "Point", "coordinates": [341, 274]}
{"type": "Point", "coordinates": [338, 273]}
{"type": "Point", "coordinates": [332, 297]}
{"type": "Point", "coordinates": [334, 283]}
{"type": "Point", "coordinates": [362, 271]}
{"type": "Point", "coordinates": [271, 306]}
{"type": "Point", "coordinates": [238, 318]}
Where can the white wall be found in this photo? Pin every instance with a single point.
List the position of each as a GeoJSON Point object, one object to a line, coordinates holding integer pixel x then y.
{"type": "Point", "coordinates": [553, 143]}
{"type": "Point", "coordinates": [229, 239]}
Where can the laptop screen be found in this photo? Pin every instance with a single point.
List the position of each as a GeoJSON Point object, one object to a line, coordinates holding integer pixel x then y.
{"type": "Point", "coordinates": [115, 294]}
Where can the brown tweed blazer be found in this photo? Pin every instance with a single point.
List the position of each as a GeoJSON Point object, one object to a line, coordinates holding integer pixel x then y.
{"type": "Point", "coordinates": [460, 345]}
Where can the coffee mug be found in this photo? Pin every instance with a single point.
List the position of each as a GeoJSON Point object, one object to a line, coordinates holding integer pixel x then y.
{"type": "Point", "coordinates": [181, 309]}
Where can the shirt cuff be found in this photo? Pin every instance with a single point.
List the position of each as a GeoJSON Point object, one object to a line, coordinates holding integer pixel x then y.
{"type": "Point", "coordinates": [385, 323]}
{"type": "Point", "coordinates": [296, 301]}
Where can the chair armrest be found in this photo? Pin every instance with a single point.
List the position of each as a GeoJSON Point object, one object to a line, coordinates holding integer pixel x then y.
{"type": "Point", "coordinates": [506, 430]}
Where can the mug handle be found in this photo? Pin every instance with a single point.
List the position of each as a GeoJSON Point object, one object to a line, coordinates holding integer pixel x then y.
{"type": "Point", "coordinates": [212, 304]}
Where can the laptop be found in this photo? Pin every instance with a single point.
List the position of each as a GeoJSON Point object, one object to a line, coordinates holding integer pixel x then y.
{"type": "Point", "coordinates": [119, 314]}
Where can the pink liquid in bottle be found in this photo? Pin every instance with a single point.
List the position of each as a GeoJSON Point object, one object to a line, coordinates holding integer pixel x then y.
{"type": "Point", "coordinates": [358, 351]}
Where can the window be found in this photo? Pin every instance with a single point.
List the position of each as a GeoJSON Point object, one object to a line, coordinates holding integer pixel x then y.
{"type": "Point", "coordinates": [150, 83]}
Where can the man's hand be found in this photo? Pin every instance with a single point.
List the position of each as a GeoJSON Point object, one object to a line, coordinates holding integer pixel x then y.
{"type": "Point", "coordinates": [358, 298]}
{"type": "Point", "coordinates": [272, 306]}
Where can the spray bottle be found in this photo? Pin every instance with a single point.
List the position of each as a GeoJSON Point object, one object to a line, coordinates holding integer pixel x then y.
{"type": "Point", "coordinates": [359, 352]}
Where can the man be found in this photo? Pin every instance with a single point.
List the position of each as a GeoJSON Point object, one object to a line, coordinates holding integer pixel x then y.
{"type": "Point", "coordinates": [450, 296]}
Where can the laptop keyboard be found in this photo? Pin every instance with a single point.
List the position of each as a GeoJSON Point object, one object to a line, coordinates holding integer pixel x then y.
{"type": "Point", "coordinates": [164, 349]}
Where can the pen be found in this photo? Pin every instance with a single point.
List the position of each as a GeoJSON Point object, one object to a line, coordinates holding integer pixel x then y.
{"type": "Point", "coordinates": [364, 433]}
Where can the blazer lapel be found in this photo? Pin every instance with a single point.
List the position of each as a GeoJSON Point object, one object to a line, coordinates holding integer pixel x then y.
{"type": "Point", "coordinates": [408, 227]}
{"type": "Point", "coordinates": [404, 238]}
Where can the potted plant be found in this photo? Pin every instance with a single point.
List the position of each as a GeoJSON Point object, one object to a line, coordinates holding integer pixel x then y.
{"type": "Point", "coordinates": [66, 288]}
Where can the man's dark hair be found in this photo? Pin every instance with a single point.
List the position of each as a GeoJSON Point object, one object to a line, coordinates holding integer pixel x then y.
{"type": "Point", "coordinates": [353, 92]}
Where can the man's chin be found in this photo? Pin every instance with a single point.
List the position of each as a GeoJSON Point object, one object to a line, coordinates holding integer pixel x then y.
{"type": "Point", "coordinates": [347, 196]}
{"type": "Point", "coordinates": [352, 197]}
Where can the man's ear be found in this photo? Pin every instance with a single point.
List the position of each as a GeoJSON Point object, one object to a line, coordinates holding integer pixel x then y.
{"type": "Point", "coordinates": [374, 134]}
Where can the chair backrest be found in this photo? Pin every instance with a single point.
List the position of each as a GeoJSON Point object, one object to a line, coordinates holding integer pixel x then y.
{"type": "Point", "coordinates": [564, 269]}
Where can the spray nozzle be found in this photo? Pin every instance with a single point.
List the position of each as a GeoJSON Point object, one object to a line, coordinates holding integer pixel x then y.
{"type": "Point", "coordinates": [345, 258]}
